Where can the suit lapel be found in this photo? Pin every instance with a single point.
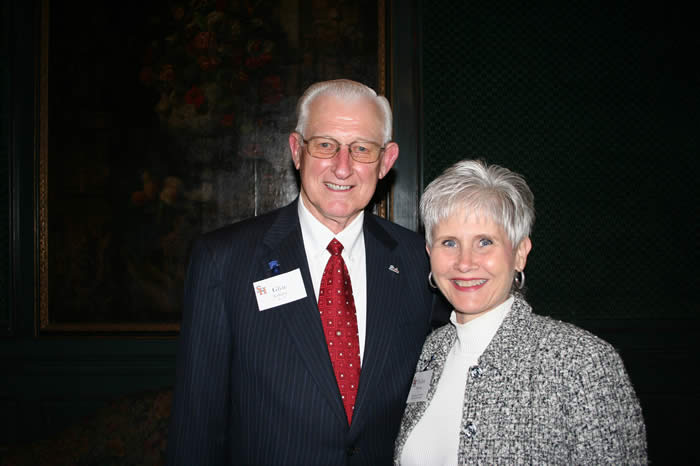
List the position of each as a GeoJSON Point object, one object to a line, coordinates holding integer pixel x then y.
{"type": "Point", "coordinates": [283, 242]}
{"type": "Point", "coordinates": [383, 286]}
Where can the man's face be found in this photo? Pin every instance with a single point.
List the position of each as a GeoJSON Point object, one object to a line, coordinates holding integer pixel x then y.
{"type": "Point", "coordinates": [336, 190]}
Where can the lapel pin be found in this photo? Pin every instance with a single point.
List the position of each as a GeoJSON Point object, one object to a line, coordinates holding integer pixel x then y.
{"type": "Point", "coordinates": [274, 267]}
{"type": "Point", "coordinates": [394, 269]}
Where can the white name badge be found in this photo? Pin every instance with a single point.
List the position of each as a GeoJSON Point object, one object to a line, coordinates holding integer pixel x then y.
{"type": "Point", "coordinates": [419, 387]}
{"type": "Point", "coordinates": [280, 289]}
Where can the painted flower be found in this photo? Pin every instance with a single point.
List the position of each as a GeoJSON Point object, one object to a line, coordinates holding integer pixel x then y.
{"type": "Point", "coordinates": [214, 17]}
{"type": "Point", "coordinates": [204, 40]}
{"type": "Point", "coordinates": [172, 186]}
{"type": "Point", "coordinates": [258, 53]}
{"type": "Point", "coordinates": [227, 120]}
{"type": "Point", "coordinates": [271, 89]}
{"type": "Point", "coordinates": [208, 63]}
{"type": "Point", "coordinates": [178, 13]}
{"type": "Point", "coordinates": [148, 193]}
{"type": "Point", "coordinates": [167, 73]}
{"type": "Point", "coordinates": [146, 75]}
{"type": "Point", "coordinates": [236, 29]}
{"type": "Point", "coordinates": [210, 57]}
{"type": "Point", "coordinates": [195, 97]}
{"type": "Point", "coordinates": [165, 103]}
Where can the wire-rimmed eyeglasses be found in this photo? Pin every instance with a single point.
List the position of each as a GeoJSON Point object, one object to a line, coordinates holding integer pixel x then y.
{"type": "Point", "coordinates": [323, 147]}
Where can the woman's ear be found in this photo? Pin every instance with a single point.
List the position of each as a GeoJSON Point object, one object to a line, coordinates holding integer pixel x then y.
{"type": "Point", "coordinates": [521, 253]}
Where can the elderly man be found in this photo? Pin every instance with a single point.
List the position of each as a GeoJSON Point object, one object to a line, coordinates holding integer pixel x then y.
{"type": "Point", "coordinates": [302, 327]}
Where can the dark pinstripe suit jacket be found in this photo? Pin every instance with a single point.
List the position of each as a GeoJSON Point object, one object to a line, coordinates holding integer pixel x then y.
{"type": "Point", "coordinates": [258, 387]}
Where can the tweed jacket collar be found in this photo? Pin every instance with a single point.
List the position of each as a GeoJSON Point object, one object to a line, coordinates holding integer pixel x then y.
{"type": "Point", "coordinates": [497, 359]}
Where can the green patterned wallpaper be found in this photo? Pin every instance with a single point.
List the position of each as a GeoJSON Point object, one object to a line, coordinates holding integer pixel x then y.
{"type": "Point", "coordinates": [598, 107]}
{"type": "Point", "coordinates": [4, 174]}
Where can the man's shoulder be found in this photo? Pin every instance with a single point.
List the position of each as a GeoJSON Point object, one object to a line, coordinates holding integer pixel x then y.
{"type": "Point", "coordinates": [250, 229]}
{"type": "Point", "coordinates": [401, 234]}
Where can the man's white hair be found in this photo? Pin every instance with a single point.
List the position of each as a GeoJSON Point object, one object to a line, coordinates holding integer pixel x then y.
{"type": "Point", "coordinates": [343, 89]}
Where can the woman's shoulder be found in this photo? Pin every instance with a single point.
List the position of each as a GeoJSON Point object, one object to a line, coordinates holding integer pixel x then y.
{"type": "Point", "coordinates": [569, 340]}
{"type": "Point", "coordinates": [523, 319]}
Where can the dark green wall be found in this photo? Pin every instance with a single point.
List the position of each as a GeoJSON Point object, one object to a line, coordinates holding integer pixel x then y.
{"type": "Point", "coordinates": [4, 170]}
{"type": "Point", "coordinates": [597, 105]}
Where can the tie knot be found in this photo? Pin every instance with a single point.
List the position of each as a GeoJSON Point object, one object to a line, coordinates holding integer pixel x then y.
{"type": "Point", "coordinates": [334, 247]}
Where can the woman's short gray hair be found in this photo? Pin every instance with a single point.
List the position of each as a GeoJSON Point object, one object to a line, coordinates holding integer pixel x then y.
{"type": "Point", "coordinates": [344, 89]}
{"type": "Point", "coordinates": [484, 189]}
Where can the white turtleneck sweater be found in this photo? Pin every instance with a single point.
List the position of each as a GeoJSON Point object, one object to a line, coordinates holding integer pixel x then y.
{"type": "Point", "coordinates": [435, 439]}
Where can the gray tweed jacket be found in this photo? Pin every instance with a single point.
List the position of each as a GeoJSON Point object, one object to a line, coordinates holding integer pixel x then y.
{"type": "Point", "coordinates": [543, 392]}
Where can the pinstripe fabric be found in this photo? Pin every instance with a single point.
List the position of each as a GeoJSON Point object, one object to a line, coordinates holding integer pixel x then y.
{"type": "Point", "coordinates": [258, 387]}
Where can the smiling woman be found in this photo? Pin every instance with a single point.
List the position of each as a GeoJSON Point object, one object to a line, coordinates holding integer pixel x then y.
{"type": "Point", "coordinates": [503, 384]}
{"type": "Point", "coordinates": [473, 262]}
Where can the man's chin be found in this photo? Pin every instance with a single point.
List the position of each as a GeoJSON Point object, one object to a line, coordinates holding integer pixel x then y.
{"type": "Point", "coordinates": [338, 218]}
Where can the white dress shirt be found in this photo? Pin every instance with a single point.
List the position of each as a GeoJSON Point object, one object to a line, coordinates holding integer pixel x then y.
{"type": "Point", "coordinates": [316, 238]}
{"type": "Point", "coordinates": [435, 439]}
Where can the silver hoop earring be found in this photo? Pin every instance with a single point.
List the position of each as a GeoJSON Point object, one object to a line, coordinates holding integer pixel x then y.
{"type": "Point", "coordinates": [519, 279]}
{"type": "Point", "coordinates": [431, 282]}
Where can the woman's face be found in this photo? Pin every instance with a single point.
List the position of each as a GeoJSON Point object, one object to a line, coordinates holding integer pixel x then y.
{"type": "Point", "coordinates": [473, 263]}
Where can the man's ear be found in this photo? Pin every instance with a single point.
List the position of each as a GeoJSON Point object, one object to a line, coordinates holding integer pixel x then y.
{"type": "Point", "coordinates": [295, 145]}
{"type": "Point", "coordinates": [389, 156]}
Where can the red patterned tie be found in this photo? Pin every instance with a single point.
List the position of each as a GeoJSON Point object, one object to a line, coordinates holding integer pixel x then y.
{"type": "Point", "coordinates": [337, 307]}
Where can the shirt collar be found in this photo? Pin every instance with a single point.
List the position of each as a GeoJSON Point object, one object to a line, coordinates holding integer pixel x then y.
{"type": "Point", "coordinates": [317, 236]}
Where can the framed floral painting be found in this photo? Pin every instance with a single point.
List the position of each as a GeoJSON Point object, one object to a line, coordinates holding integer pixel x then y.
{"type": "Point", "coordinates": [162, 120]}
